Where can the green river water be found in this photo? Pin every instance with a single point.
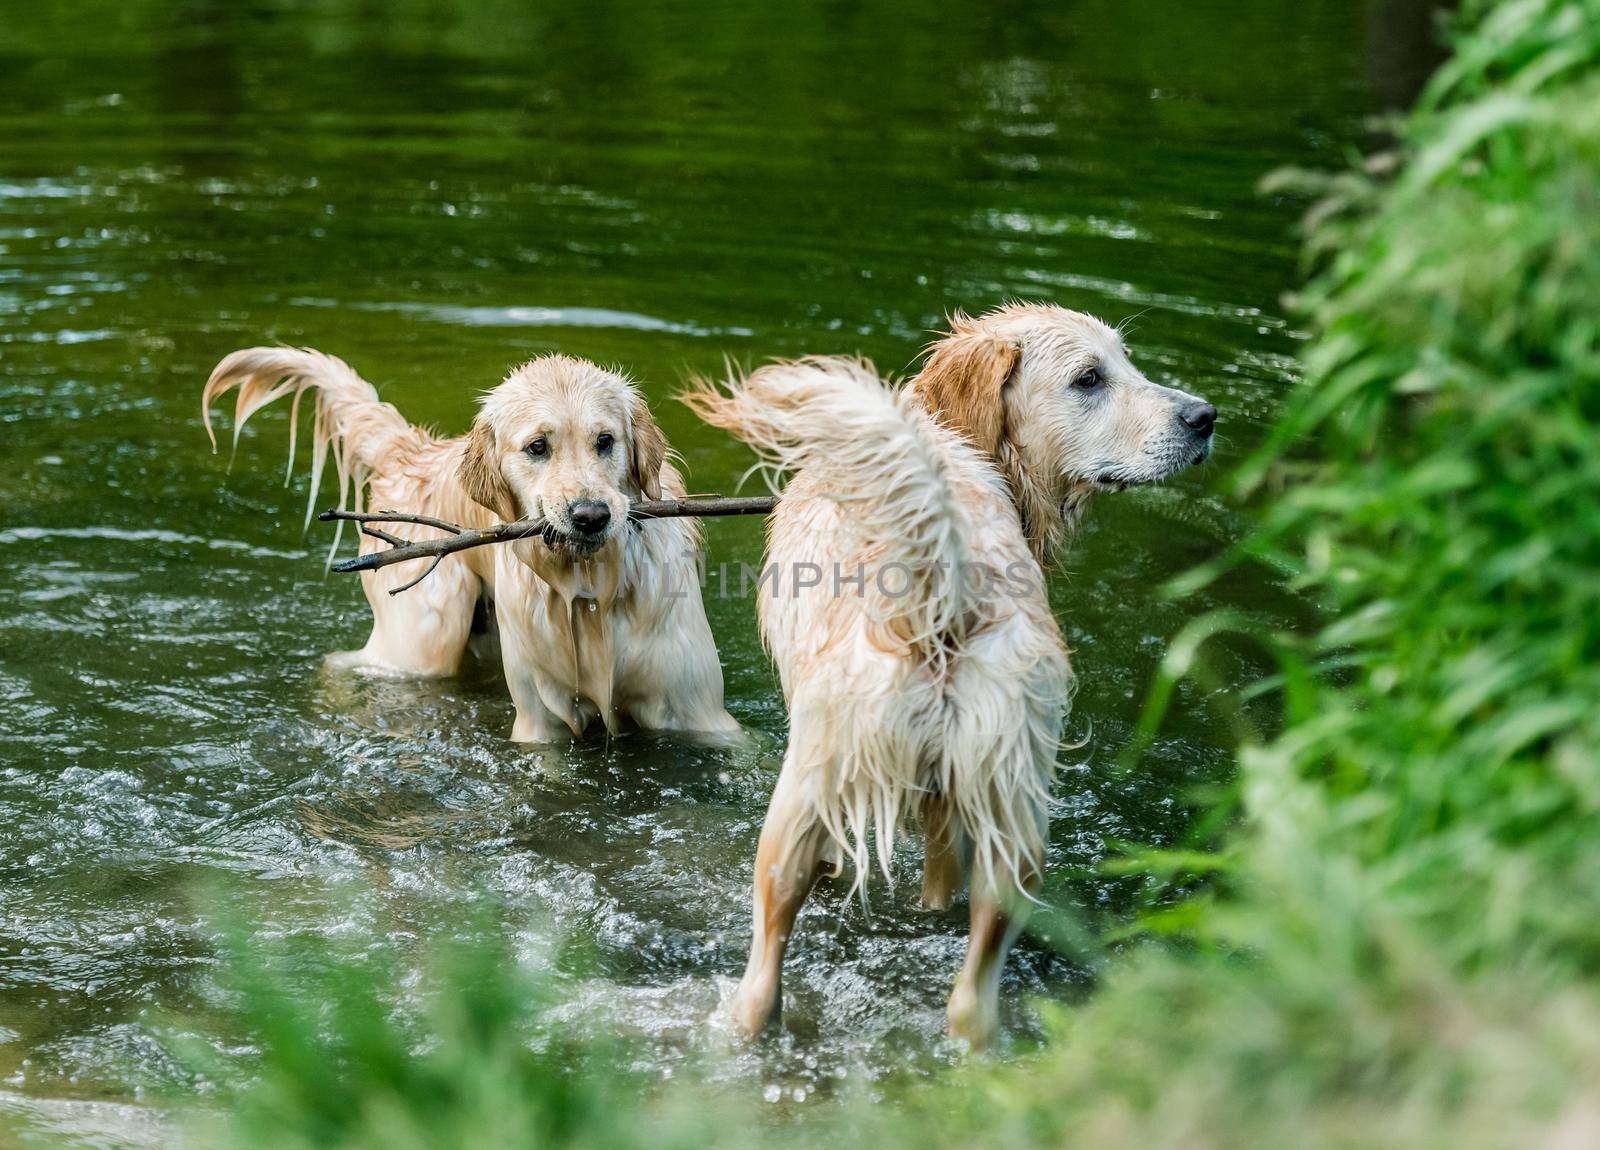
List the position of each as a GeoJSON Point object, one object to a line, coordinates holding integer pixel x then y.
{"type": "Point", "coordinates": [435, 190]}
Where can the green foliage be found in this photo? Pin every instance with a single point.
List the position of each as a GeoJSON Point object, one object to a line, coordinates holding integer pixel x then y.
{"type": "Point", "coordinates": [1445, 509]}
{"type": "Point", "coordinates": [343, 1066]}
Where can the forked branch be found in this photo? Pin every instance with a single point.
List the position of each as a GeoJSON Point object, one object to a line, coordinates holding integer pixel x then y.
{"type": "Point", "coordinates": [458, 538]}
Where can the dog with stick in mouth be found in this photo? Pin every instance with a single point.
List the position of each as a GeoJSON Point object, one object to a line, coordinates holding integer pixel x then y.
{"type": "Point", "coordinates": [600, 618]}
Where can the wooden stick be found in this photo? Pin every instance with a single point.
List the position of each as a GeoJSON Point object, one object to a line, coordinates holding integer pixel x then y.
{"type": "Point", "coordinates": [458, 538]}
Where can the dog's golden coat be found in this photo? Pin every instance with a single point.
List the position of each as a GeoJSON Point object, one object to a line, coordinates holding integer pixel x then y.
{"type": "Point", "coordinates": [941, 693]}
{"type": "Point", "coordinates": [605, 627]}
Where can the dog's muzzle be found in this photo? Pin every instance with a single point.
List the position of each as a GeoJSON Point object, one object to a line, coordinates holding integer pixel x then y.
{"type": "Point", "coordinates": [589, 517]}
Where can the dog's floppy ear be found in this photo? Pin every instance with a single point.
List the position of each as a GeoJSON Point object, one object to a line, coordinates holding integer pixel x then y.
{"type": "Point", "coordinates": [480, 473]}
{"type": "Point", "coordinates": [962, 381]}
{"type": "Point", "coordinates": [649, 449]}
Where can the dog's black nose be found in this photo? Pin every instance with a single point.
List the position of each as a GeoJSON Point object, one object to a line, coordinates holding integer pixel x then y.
{"type": "Point", "coordinates": [589, 516]}
{"type": "Point", "coordinates": [1202, 417]}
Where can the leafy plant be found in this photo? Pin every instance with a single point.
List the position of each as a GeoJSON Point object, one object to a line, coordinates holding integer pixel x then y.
{"type": "Point", "coordinates": [342, 1064]}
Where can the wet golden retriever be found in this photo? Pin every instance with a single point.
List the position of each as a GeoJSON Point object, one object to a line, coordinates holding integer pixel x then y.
{"type": "Point", "coordinates": [924, 673]}
{"type": "Point", "coordinates": [600, 620]}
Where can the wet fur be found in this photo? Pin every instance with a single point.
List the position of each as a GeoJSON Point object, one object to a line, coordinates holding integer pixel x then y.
{"type": "Point", "coordinates": [601, 631]}
{"type": "Point", "coordinates": [943, 704]}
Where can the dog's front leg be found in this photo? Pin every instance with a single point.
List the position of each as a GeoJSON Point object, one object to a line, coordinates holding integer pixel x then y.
{"type": "Point", "coordinates": [537, 724]}
{"type": "Point", "coordinates": [520, 655]}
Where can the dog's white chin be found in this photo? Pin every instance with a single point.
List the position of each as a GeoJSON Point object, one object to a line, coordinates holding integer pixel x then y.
{"type": "Point", "coordinates": [1122, 480]}
{"type": "Point", "coordinates": [1111, 486]}
{"type": "Point", "coordinates": [561, 548]}
{"type": "Point", "coordinates": [576, 546]}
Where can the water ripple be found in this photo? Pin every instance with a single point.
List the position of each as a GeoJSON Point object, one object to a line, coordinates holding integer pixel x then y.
{"type": "Point", "coordinates": [534, 316]}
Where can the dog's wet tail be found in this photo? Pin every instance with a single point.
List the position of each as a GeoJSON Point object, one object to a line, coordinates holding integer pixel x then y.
{"type": "Point", "coordinates": [886, 464]}
{"type": "Point", "coordinates": [363, 434]}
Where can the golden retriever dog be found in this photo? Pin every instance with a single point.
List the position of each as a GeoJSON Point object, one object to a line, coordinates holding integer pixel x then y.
{"type": "Point", "coordinates": [925, 676]}
{"type": "Point", "coordinates": [600, 620]}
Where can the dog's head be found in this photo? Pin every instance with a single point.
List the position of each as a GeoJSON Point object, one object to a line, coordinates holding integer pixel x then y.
{"type": "Point", "coordinates": [568, 442]}
{"type": "Point", "coordinates": [1053, 398]}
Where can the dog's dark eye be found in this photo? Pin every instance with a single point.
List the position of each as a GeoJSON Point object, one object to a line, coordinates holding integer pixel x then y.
{"type": "Point", "coordinates": [538, 448]}
{"type": "Point", "coordinates": [1089, 380]}
{"type": "Point", "coordinates": [603, 442]}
